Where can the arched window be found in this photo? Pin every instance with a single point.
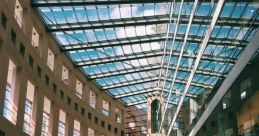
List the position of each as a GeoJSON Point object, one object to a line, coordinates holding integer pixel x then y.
{"type": "Point", "coordinates": [155, 122]}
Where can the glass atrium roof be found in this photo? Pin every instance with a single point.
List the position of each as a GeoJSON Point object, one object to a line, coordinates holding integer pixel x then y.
{"type": "Point", "coordinates": [131, 48]}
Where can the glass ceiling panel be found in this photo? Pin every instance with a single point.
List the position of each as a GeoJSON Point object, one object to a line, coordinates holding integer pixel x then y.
{"type": "Point", "coordinates": [120, 44]}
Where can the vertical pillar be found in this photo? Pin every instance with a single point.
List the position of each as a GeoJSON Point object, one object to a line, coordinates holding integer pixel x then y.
{"type": "Point", "coordinates": [20, 96]}
{"type": "Point", "coordinates": [69, 125]}
{"type": "Point", "coordinates": [54, 115]}
{"type": "Point", "coordinates": [84, 129]}
{"type": "Point", "coordinates": [4, 60]}
{"type": "Point", "coordinates": [38, 110]}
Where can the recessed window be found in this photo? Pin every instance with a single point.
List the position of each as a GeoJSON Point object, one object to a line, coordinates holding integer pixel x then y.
{"type": "Point", "coordinates": [244, 88]}
{"type": "Point", "coordinates": [45, 130]}
{"type": "Point", "coordinates": [46, 80]}
{"type": "Point", "coordinates": [92, 100]}
{"type": "Point", "coordinates": [82, 111]}
{"type": "Point", "coordinates": [122, 133]}
{"type": "Point", "coordinates": [18, 13]}
{"type": "Point", "coordinates": [54, 88]}
{"type": "Point", "coordinates": [79, 89]}
{"type": "Point", "coordinates": [22, 49]}
{"type": "Point", "coordinates": [90, 132]}
{"type": "Point", "coordinates": [118, 115]}
{"type": "Point", "coordinates": [243, 95]}
{"type": "Point", "coordinates": [30, 61]}
{"type": "Point", "coordinates": [4, 20]}
{"type": "Point", "coordinates": [96, 120]}
{"type": "Point", "coordinates": [103, 124]}
{"type": "Point", "coordinates": [13, 36]}
{"type": "Point", "coordinates": [35, 38]}
{"type": "Point", "coordinates": [76, 107]}
{"type": "Point", "coordinates": [39, 71]}
{"type": "Point", "coordinates": [224, 105]}
{"type": "Point", "coordinates": [10, 108]}
{"type": "Point", "coordinates": [50, 60]}
{"type": "Point", "coordinates": [105, 109]}
{"type": "Point", "coordinates": [65, 75]}
{"type": "Point", "coordinates": [89, 116]}
{"type": "Point", "coordinates": [28, 125]}
{"type": "Point", "coordinates": [61, 123]}
{"type": "Point", "coordinates": [76, 131]}
{"type": "Point", "coordinates": [116, 130]}
{"type": "Point", "coordinates": [61, 94]}
{"type": "Point", "coordinates": [109, 127]}
{"type": "Point", "coordinates": [68, 100]}
{"type": "Point", "coordinates": [132, 125]}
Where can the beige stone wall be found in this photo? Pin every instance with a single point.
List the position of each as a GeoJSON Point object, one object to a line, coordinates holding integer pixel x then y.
{"type": "Point", "coordinates": [8, 50]}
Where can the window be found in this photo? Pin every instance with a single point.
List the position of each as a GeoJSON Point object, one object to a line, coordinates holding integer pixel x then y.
{"type": "Point", "coordinates": [61, 124]}
{"type": "Point", "coordinates": [65, 75]}
{"type": "Point", "coordinates": [76, 131]}
{"type": "Point", "coordinates": [154, 113]}
{"type": "Point", "coordinates": [2, 133]}
{"type": "Point", "coordinates": [82, 111]}
{"type": "Point", "coordinates": [46, 80]}
{"type": "Point", "coordinates": [18, 12]}
{"type": "Point", "coordinates": [54, 88]}
{"type": "Point", "coordinates": [89, 116]}
{"type": "Point", "coordinates": [109, 127]}
{"type": "Point", "coordinates": [105, 109]}
{"type": "Point", "coordinates": [46, 117]}
{"type": "Point", "coordinates": [50, 60]}
{"type": "Point", "coordinates": [39, 71]}
{"type": "Point", "coordinates": [116, 130]}
{"type": "Point", "coordinates": [68, 100]}
{"type": "Point", "coordinates": [90, 132]}
{"type": "Point", "coordinates": [96, 120]}
{"type": "Point", "coordinates": [30, 61]}
{"type": "Point", "coordinates": [224, 105]}
{"type": "Point", "coordinates": [28, 125]}
{"type": "Point", "coordinates": [244, 87]}
{"type": "Point", "coordinates": [118, 115]}
{"type": "Point", "coordinates": [10, 109]}
{"type": "Point", "coordinates": [22, 49]}
{"type": "Point", "coordinates": [4, 20]}
{"type": "Point", "coordinates": [122, 133]}
{"type": "Point", "coordinates": [13, 36]}
{"type": "Point", "coordinates": [132, 125]}
{"type": "Point", "coordinates": [79, 89]}
{"type": "Point", "coordinates": [35, 38]}
{"type": "Point", "coordinates": [103, 124]}
{"type": "Point", "coordinates": [61, 95]}
{"type": "Point", "coordinates": [92, 100]}
{"type": "Point", "coordinates": [76, 107]}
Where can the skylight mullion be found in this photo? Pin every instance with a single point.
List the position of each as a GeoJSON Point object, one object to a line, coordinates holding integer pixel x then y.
{"type": "Point", "coordinates": [129, 83]}
{"type": "Point", "coordinates": [145, 39]}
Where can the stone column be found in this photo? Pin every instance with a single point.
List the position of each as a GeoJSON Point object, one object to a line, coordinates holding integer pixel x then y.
{"type": "Point", "coordinates": [3, 76]}
{"type": "Point", "coordinates": [54, 115]}
{"type": "Point", "coordinates": [69, 125]}
{"type": "Point", "coordinates": [38, 110]}
{"type": "Point", "coordinates": [20, 96]}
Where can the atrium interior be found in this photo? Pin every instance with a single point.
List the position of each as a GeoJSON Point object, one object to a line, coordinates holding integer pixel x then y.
{"type": "Point", "coordinates": [129, 68]}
